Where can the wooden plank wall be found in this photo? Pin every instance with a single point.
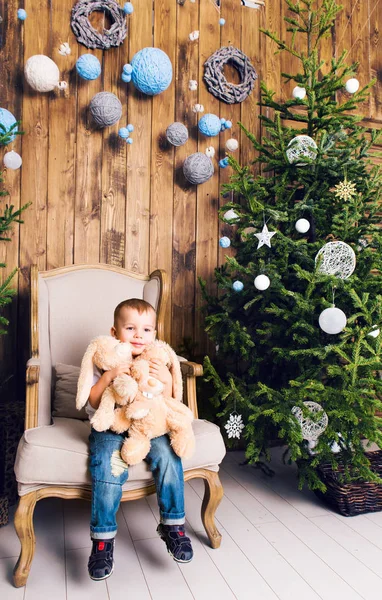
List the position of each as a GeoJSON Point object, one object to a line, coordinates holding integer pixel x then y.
{"type": "Point", "coordinates": [95, 199]}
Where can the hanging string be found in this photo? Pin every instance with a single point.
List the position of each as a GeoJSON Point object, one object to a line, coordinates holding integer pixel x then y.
{"type": "Point", "coordinates": [347, 25]}
{"type": "Point", "coordinates": [363, 27]}
{"type": "Point", "coordinates": [333, 293]}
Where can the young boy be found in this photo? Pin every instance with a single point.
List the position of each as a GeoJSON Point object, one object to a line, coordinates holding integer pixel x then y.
{"type": "Point", "coordinates": [134, 322]}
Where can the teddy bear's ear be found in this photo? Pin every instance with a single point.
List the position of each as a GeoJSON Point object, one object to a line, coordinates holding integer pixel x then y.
{"type": "Point", "coordinates": [85, 380]}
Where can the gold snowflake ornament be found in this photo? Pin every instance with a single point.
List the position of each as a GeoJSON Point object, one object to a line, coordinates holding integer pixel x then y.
{"type": "Point", "coordinates": [345, 190]}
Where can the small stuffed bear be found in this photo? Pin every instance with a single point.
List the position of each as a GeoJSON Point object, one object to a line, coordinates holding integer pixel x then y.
{"type": "Point", "coordinates": [106, 352]}
{"type": "Point", "coordinates": [152, 414]}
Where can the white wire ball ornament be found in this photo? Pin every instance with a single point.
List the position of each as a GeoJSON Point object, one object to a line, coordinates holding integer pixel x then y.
{"type": "Point", "coordinates": [332, 320]}
{"type": "Point", "coordinates": [311, 429]}
{"type": "Point", "coordinates": [336, 258]}
{"type": "Point", "coordinates": [302, 146]}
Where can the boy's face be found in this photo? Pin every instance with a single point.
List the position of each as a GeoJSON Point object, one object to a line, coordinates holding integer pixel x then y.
{"type": "Point", "coordinates": [138, 329]}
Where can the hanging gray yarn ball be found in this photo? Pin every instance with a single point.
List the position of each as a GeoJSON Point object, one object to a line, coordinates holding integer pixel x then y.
{"type": "Point", "coordinates": [198, 168]}
{"type": "Point", "coordinates": [105, 109]}
{"type": "Point", "coordinates": [177, 134]}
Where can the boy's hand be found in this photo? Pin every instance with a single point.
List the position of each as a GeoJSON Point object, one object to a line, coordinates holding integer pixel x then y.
{"type": "Point", "coordinates": [162, 373]}
{"type": "Point", "coordinates": [113, 373]}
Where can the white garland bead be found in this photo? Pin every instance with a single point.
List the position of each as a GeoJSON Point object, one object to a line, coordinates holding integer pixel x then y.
{"type": "Point", "coordinates": [262, 282]}
{"type": "Point", "coordinates": [194, 35]}
{"type": "Point", "coordinates": [232, 145]}
{"type": "Point", "coordinates": [352, 85]}
{"type": "Point", "coordinates": [192, 85]}
{"type": "Point", "coordinates": [12, 160]}
{"type": "Point", "coordinates": [64, 49]}
{"type": "Point", "coordinates": [210, 151]}
{"type": "Point", "coordinates": [198, 108]}
{"type": "Point", "coordinates": [302, 225]}
{"type": "Point", "coordinates": [299, 92]}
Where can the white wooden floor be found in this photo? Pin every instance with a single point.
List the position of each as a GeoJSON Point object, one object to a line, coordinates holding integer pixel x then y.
{"type": "Point", "coordinates": [277, 543]}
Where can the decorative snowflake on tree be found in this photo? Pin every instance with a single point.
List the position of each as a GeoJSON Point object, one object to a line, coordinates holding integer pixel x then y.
{"type": "Point", "coordinates": [234, 426]}
{"type": "Point", "coordinates": [345, 190]}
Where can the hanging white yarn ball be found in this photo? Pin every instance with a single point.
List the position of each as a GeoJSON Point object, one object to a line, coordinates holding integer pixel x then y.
{"type": "Point", "coordinates": [299, 92]}
{"type": "Point", "coordinates": [12, 160]}
{"type": "Point", "coordinates": [352, 85]}
{"type": "Point", "coordinates": [210, 151]}
{"type": "Point", "coordinates": [42, 74]}
{"type": "Point", "coordinates": [332, 320]}
{"type": "Point", "coordinates": [336, 258]}
{"type": "Point", "coordinates": [232, 145]}
{"type": "Point", "coordinates": [262, 282]}
{"type": "Point", "coordinates": [302, 225]}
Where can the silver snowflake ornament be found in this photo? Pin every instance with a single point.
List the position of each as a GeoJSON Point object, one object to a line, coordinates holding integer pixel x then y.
{"type": "Point", "coordinates": [234, 426]}
{"type": "Point", "coordinates": [264, 237]}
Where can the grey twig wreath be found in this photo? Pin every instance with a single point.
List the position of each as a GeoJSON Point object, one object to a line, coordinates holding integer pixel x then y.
{"type": "Point", "coordinates": [90, 37]}
{"type": "Point", "coordinates": [216, 82]}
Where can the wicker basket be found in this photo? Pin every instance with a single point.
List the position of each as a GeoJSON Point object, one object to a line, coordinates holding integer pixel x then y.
{"type": "Point", "coordinates": [354, 498]}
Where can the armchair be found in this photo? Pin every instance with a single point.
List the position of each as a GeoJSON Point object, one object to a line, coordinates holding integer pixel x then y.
{"type": "Point", "coordinates": [69, 306]}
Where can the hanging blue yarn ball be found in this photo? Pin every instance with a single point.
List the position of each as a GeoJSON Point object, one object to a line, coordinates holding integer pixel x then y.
{"type": "Point", "coordinates": [7, 120]}
{"type": "Point", "coordinates": [130, 127]}
{"type": "Point", "coordinates": [22, 14]}
{"type": "Point", "coordinates": [128, 69]}
{"type": "Point", "coordinates": [128, 8]}
{"type": "Point", "coordinates": [228, 124]}
{"type": "Point", "coordinates": [209, 125]}
{"type": "Point", "coordinates": [88, 67]}
{"type": "Point", "coordinates": [221, 21]}
{"type": "Point", "coordinates": [238, 286]}
{"type": "Point", "coordinates": [124, 133]}
{"type": "Point", "coordinates": [222, 121]}
{"type": "Point", "coordinates": [223, 163]}
{"type": "Point", "coordinates": [224, 242]}
{"type": "Point", "coordinates": [152, 71]}
{"type": "Point", "coordinates": [125, 77]}
{"type": "Point", "coordinates": [129, 141]}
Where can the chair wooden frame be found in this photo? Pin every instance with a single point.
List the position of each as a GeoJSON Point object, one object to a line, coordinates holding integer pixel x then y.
{"type": "Point", "coordinates": [23, 521]}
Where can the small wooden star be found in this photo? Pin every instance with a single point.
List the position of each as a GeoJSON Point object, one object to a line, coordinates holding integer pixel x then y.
{"type": "Point", "coordinates": [265, 237]}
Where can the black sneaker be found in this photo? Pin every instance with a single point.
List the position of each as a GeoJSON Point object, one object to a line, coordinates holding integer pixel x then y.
{"type": "Point", "coordinates": [101, 563]}
{"type": "Point", "coordinates": [177, 543]}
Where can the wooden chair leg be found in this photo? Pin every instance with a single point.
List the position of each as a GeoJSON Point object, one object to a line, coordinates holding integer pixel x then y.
{"type": "Point", "coordinates": [25, 531]}
{"type": "Point", "coordinates": [213, 493]}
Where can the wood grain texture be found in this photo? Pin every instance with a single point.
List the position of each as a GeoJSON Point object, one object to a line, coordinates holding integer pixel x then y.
{"type": "Point", "coordinates": [95, 199]}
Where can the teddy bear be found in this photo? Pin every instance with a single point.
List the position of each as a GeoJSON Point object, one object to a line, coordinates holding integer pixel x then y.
{"type": "Point", "coordinates": [142, 409]}
{"type": "Point", "coordinates": [152, 414]}
{"type": "Point", "coordinates": [106, 352]}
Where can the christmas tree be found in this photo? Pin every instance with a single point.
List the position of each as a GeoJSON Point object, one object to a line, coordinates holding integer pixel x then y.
{"type": "Point", "coordinates": [307, 236]}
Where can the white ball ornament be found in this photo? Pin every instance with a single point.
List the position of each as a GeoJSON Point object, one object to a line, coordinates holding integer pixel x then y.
{"type": "Point", "coordinates": [262, 282]}
{"type": "Point", "coordinates": [332, 320]}
{"type": "Point", "coordinates": [12, 160]}
{"type": "Point", "coordinates": [302, 225]}
{"type": "Point", "coordinates": [299, 92]}
{"type": "Point", "coordinates": [230, 215]}
{"type": "Point", "coordinates": [232, 145]}
{"type": "Point", "coordinates": [352, 85]}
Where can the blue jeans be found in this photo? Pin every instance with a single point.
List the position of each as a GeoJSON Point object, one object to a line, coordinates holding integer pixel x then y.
{"type": "Point", "coordinates": [109, 472]}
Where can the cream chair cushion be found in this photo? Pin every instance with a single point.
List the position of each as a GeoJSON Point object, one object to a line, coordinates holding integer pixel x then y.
{"type": "Point", "coordinates": [58, 455]}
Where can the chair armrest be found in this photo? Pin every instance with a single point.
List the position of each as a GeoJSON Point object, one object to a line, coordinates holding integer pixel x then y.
{"type": "Point", "coordinates": [32, 380]}
{"type": "Point", "coordinates": [190, 371]}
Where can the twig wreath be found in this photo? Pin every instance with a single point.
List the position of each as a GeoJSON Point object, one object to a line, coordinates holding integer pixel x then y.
{"type": "Point", "coordinates": [216, 82]}
{"type": "Point", "coordinates": [90, 37]}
